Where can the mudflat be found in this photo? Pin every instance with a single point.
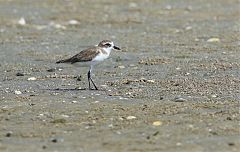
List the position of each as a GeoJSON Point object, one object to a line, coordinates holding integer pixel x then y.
{"type": "Point", "coordinates": [175, 86]}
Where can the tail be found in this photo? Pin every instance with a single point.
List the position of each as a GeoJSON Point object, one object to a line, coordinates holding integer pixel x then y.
{"type": "Point", "coordinates": [62, 61]}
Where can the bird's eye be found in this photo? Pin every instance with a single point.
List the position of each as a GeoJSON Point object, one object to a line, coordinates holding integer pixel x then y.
{"type": "Point", "coordinates": [108, 44]}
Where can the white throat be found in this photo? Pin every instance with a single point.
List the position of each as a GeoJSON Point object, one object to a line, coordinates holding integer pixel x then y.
{"type": "Point", "coordinates": [108, 50]}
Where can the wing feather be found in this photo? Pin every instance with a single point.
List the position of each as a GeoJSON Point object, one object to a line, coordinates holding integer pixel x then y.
{"type": "Point", "coordinates": [83, 56]}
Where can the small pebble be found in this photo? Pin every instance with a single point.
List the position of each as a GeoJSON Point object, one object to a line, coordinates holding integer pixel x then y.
{"type": "Point", "coordinates": [32, 79]}
{"type": "Point", "coordinates": [51, 70]}
{"type": "Point", "coordinates": [120, 118]}
{"type": "Point", "coordinates": [189, 8]}
{"type": "Point", "coordinates": [214, 96]}
{"type": "Point", "coordinates": [229, 118]}
{"type": "Point", "coordinates": [121, 67]}
{"type": "Point", "coordinates": [132, 5]}
{"type": "Point", "coordinates": [213, 40]}
{"type": "Point", "coordinates": [32, 104]}
{"type": "Point", "coordinates": [178, 144]}
{"type": "Point", "coordinates": [65, 116]}
{"type": "Point", "coordinates": [78, 88]}
{"type": "Point", "coordinates": [73, 22]}
{"type": "Point", "coordinates": [168, 7]}
{"type": "Point", "coordinates": [179, 99]}
{"type": "Point", "coordinates": [177, 31]}
{"type": "Point", "coordinates": [57, 26]}
{"type": "Point", "coordinates": [131, 117]}
{"type": "Point", "coordinates": [110, 125]}
{"type": "Point", "coordinates": [103, 85]}
{"type": "Point", "coordinates": [157, 123]}
{"type": "Point", "coordinates": [74, 101]}
{"type": "Point", "coordinates": [19, 74]}
{"type": "Point", "coordinates": [44, 147]}
{"type": "Point", "coordinates": [150, 81]}
{"type": "Point", "coordinates": [132, 65]}
{"type": "Point", "coordinates": [196, 39]}
{"type": "Point", "coordinates": [22, 21]}
{"type": "Point", "coordinates": [231, 144]}
{"type": "Point", "coordinates": [17, 92]}
{"type": "Point", "coordinates": [188, 28]}
{"type": "Point", "coordinates": [9, 134]}
{"type": "Point", "coordinates": [190, 126]}
{"type": "Point", "coordinates": [54, 140]}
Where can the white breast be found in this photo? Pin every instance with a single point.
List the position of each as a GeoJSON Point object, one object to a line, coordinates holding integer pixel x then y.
{"type": "Point", "coordinates": [102, 56]}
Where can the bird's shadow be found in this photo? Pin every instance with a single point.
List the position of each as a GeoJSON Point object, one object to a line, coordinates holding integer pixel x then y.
{"type": "Point", "coordinates": [73, 89]}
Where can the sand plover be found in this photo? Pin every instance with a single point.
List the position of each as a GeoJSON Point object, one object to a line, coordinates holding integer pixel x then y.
{"type": "Point", "coordinates": [92, 56]}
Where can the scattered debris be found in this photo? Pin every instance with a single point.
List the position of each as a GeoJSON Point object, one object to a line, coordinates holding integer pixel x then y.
{"type": "Point", "coordinates": [61, 120]}
{"type": "Point", "coordinates": [213, 40]}
{"type": "Point", "coordinates": [127, 81]}
{"type": "Point", "coordinates": [168, 7]}
{"type": "Point", "coordinates": [57, 26]}
{"type": "Point", "coordinates": [153, 61]}
{"type": "Point", "coordinates": [214, 96]}
{"type": "Point", "coordinates": [121, 66]}
{"type": "Point", "coordinates": [73, 22]}
{"type": "Point", "coordinates": [131, 117]}
{"type": "Point", "coordinates": [150, 81]}
{"type": "Point", "coordinates": [17, 92]}
{"type": "Point", "coordinates": [188, 28]}
{"type": "Point", "coordinates": [22, 21]}
{"type": "Point", "coordinates": [51, 70]}
{"type": "Point", "coordinates": [55, 140]}
{"type": "Point", "coordinates": [9, 134]}
{"type": "Point", "coordinates": [179, 99]}
{"type": "Point", "coordinates": [157, 123]}
{"type": "Point", "coordinates": [154, 134]}
{"type": "Point", "coordinates": [178, 144]}
{"type": "Point", "coordinates": [44, 147]}
{"type": "Point", "coordinates": [231, 144]}
{"type": "Point", "coordinates": [65, 116]}
{"type": "Point", "coordinates": [132, 5]}
{"type": "Point", "coordinates": [32, 79]}
{"type": "Point", "coordinates": [19, 74]}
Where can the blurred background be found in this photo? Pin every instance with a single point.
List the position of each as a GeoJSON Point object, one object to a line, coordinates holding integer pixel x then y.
{"type": "Point", "coordinates": [173, 87]}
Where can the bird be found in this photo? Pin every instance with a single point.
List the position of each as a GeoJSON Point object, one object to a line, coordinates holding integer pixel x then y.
{"type": "Point", "coordinates": [91, 56]}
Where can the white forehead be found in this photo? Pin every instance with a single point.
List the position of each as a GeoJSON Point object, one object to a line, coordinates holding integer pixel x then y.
{"type": "Point", "coordinates": [104, 42]}
{"type": "Point", "coordinates": [109, 42]}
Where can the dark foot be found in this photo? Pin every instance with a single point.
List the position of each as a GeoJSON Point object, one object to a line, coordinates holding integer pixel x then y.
{"type": "Point", "coordinates": [93, 89]}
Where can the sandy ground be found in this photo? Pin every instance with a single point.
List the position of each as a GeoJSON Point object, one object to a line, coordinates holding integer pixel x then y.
{"type": "Point", "coordinates": [175, 86]}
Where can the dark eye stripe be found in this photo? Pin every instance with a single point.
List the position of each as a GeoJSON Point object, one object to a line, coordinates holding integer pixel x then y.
{"type": "Point", "coordinates": [107, 44]}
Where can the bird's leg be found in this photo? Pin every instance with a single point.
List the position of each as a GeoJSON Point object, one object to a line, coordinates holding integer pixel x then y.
{"type": "Point", "coordinates": [94, 84]}
{"type": "Point", "coordinates": [90, 78]}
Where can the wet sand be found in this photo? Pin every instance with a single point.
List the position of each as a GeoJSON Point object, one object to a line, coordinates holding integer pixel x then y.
{"type": "Point", "coordinates": [175, 86]}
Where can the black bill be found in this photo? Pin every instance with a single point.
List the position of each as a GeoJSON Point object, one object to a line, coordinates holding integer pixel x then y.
{"type": "Point", "coordinates": [117, 48]}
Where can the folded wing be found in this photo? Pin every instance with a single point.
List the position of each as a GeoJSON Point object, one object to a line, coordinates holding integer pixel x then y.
{"type": "Point", "coordinates": [83, 56]}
